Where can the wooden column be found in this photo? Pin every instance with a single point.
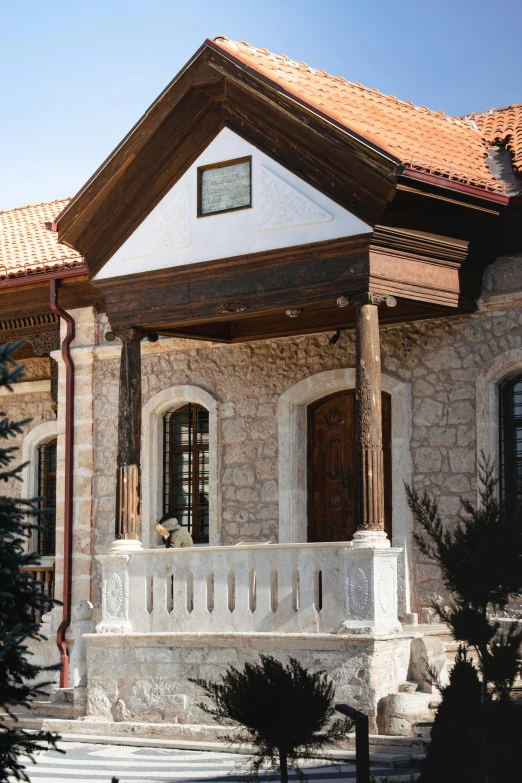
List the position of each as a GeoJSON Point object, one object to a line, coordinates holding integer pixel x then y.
{"type": "Point", "coordinates": [368, 419]}
{"type": "Point", "coordinates": [129, 438]}
{"type": "Point", "coordinates": [127, 523]}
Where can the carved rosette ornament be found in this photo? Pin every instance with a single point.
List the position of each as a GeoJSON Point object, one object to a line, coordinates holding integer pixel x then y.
{"type": "Point", "coordinates": [386, 589]}
{"type": "Point", "coordinates": [358, 592]}
{"type": "Point", "coordinates": [114, 595]}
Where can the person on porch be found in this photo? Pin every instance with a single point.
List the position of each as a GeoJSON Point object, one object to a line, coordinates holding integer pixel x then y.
{"type": "Point", "coordinates": [174, 535]}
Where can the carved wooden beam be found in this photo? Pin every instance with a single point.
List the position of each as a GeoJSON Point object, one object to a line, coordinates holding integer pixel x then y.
{"type": "Point", "coordinates": [42, 331]}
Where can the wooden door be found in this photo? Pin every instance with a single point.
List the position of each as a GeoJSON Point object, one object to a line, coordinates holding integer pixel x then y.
{"type": "Point", "coordinates": [331, 467]}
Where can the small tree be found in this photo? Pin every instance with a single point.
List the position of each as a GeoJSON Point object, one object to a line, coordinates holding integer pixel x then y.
{"type": "Point", "coordinates": [480, 558]}
{"type": "Point", "coordinates": [20, 600]}
{"type": "Point", "coordinates": [286, 711]}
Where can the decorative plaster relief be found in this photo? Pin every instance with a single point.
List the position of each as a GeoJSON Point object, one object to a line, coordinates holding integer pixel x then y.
{"type": "Point", "coordinates": [282, 206]}
{"type": "Point", "coordinates": [169, 229]}
{"type": "Point", "coordinates": [114, 595]}
{"type": "Point", "coordinates": [386, 589]}
{"type": "Point", "coordinates": [358, 592]}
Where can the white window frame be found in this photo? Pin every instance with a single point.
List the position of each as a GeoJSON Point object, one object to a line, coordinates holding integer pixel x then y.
{"type": "Point", "coordinates": [502, 368]}
{"type": "Point", "coordinates": [40, 435]}
{"type": "Point", "coordinates": [152, 459]}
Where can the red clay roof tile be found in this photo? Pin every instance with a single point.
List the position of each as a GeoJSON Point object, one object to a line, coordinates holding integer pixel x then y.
{"type": "Point", "coordinates": [431, 141]}
{"type": "Point", "coordinates": [503, 126]}
{"type": "Point", "coordinates": [27, 247]}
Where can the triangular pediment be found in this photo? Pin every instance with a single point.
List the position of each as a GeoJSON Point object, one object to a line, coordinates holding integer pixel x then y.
{"type": "Point", "coordinates": [284, 211]}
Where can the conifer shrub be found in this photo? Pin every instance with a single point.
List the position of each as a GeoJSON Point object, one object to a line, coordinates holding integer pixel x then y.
{"type": "Point", "coordinates": [480, 558]}
{"type": "Point", "coordinates": [285, 711]}
{"type": "Point", "coordinates": [21, 600]}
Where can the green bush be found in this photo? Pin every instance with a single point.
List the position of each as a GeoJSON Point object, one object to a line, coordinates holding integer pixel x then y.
{"type": "Point", "coordinates": [480, 557]}
{"type": "Point", "coordinates": [286, 712]}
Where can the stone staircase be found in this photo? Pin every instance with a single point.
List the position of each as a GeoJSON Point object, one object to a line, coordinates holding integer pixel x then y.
{"type": "Point", "coordinates": [62, 704]}
{"type": "Point", "coordinates": [59, 705]}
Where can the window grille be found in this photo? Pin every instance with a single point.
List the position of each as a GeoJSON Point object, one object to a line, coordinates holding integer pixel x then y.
{"type": "Point", "coordinates": [186, 469]}
{"type": "Point", "coordinates": [510, 468]}
{"type": "Point", "coordinates": [47, 494]}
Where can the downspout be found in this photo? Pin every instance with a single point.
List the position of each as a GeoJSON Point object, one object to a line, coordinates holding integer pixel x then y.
{"type": "Point", "coordinates": [68, 495]}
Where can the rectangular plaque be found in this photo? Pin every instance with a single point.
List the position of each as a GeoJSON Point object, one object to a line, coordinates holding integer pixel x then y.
{"type": "Point", "coordinates": [223, 187]}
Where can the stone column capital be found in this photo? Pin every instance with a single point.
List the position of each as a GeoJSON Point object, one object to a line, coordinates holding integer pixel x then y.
{"type": "Point", "coordinates": [367, 298]}
{"type": "Point", "coordinates": [129, 335]}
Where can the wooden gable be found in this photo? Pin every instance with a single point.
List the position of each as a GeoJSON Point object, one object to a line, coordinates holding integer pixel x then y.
{"type": "Point", "coordinates": [282, 211]}
{"type": "Point", "coordinates": [377, 227]}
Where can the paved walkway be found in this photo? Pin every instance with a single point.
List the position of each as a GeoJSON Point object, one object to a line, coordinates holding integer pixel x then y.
{"type": "Point", "coordinates": [99, 763]}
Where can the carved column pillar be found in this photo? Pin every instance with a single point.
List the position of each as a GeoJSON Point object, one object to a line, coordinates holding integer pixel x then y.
{"type": "Point", "coordinates": [127, 523]}
{"type": "Point", "coordinates": [368, 421]}
{"type": "Point", "coordinates": [368, 426]}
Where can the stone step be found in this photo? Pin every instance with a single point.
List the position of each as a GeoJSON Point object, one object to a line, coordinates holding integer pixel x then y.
{"type": "Point", "coordinates": [62, 710]}
{"type": "Point", "coordinates": [386, 750]}
{"type": "Point", "coordinates": [62, 695]}
{"type": "Point", "coordinates": [423, 729]}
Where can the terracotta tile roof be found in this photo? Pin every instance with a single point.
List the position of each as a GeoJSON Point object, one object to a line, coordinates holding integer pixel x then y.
{"type": "Point", "coordinates": [503, 126]}
{"type": "Point", "coordinates": [27, 247]}
{"type": "Point", "coordinates": [431, 141]}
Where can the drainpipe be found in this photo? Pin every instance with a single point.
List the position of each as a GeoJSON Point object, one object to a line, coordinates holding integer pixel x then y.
{"type": "Point", "coordinates": [68, 498]}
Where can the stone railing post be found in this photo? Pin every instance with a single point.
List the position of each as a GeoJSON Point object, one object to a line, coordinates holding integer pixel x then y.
{"type": "Point", "coordinates": [370, 600]}
{"type": "Point", "coordinates": [115, 594]}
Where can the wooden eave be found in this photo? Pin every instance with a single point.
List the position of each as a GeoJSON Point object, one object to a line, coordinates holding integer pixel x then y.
{"type": "Point", "coordinates": [211, 93]}
{"type": "Point", "coordinates": [246, 297]}
{"type": "Point", "coordinates": [29, 296]}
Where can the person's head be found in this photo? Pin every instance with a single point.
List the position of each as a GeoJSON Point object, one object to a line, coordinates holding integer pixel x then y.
{"type": "Point", "coordinates": [167, 518]}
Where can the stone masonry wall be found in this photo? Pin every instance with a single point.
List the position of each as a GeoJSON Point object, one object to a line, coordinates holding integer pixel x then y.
{"type": "Point", "coordinates": [17, 407]}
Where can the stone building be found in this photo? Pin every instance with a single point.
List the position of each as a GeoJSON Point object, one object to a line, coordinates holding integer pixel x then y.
{"type": "Point", "coordinates": [280, 298]}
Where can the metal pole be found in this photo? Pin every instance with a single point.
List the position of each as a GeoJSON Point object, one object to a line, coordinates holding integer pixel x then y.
{"type": "Point", "coordinates": [362, 742]}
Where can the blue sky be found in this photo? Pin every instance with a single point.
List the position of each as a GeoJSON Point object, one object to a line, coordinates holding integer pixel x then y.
{"type": "Point", "coordinates": [77, 75]}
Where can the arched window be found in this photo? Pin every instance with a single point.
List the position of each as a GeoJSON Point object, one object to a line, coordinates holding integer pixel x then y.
{"type": "Point", "coordinates": [511, 444]}
{"type": "Point", "coordinates": [186, 469]}
{"type": "Point", "coordinates": [47, 493]}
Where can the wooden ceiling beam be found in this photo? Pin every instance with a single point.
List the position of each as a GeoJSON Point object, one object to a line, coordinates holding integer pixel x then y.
{"type": "Point", "coordinates": [411, 265]}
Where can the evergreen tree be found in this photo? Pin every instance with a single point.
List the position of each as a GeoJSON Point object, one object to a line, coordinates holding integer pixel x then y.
{"type": "Point", "coordinates": [480, 558]}
{"type": "Point", "coordinates": [285, 711]}
{"type": "Point", "coordinates": [20, 600]}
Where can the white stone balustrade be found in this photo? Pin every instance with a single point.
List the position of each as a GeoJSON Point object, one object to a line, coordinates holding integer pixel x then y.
{"type": "Point", "coordinates": [283, 588]}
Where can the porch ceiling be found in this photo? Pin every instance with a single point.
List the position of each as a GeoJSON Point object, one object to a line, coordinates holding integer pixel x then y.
{"type": "Point", "coordinates": [246, 297]}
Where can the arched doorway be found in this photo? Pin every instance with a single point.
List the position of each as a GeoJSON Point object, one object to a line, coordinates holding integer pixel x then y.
{"type": "Point", "coordinates": [332, 464]}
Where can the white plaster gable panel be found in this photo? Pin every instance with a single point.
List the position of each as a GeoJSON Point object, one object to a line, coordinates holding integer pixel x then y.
{"type": "Point", "coordinates": [286, 211]}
